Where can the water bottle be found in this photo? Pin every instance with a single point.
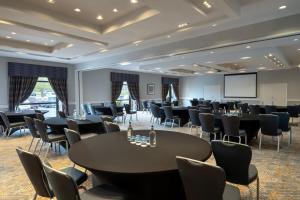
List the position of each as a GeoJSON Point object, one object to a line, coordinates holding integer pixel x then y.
{"type": "Point", "coordinates": [129, 132]}
{"type": "Point", "coordinates": [152, 137]}
{"type": "Point", "coordinates": [74, 114]}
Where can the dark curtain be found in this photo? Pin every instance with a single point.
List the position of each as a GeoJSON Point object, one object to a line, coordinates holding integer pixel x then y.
{"type": "Point", "coordinates": [20, 88]}
{"type": "Point", "coordinates": [134, 91]}
{"type": "Point", "coordinates": [164, 90]}
{"type": "Point", "coordinates": [116, 88]}
{"type": "Point", "coordinates": [176, 90]}
{"type": "Point", "coordinates": [61, 90]}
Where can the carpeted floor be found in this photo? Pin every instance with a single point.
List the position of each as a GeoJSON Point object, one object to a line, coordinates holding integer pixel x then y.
{"type": "Point", "coordinates": [279, 172]}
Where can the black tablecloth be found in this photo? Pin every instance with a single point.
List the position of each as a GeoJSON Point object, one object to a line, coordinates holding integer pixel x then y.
{"type": "Point", "coordinates": [19, 116]}
{"type": "Point", "coordinates": [181, 112]}
{"type": "Point", "coordinates": [149, 172]}
{"type": "Point", "coordinates": [92, 124]}
{"type": "Point", "coordinates": [105, 110]}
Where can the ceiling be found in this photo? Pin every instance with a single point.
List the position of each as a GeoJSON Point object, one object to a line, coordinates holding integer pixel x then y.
{"type": "Point", "coordinates": [175, 37]}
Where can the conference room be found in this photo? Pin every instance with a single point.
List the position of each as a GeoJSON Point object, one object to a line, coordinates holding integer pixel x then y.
{"type": "Point", "coordinates": [149, 99]}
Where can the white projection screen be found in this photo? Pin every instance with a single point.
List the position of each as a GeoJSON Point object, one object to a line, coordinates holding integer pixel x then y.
{"type": "Point", "coordinates": [240, 85]}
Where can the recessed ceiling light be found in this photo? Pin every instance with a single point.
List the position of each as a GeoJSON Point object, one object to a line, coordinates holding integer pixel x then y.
{"type": "Point", "coordinates": [248, 47]}
{"type": "Point", "coordinates": [299, 65]}
{"type": "Point", "coordinates": [51, 1]}
{"type": "Point", "coordinates": [296, 39]}
{"type": "Point", "coordinates": [77, 10]}
{"type": "Point", "coordinates": [209, 62]}
{"type": "Point", "coordinates": [211, 52]}
{"type": "Point", "coordinates": [20, 53]}
{"type": "Point", "coordinates": [270, 55]}
{"type": "Point", "coordinates": [27, 40]}
{"type": "Point", "coordinates": [245, 58]}
{"type": "Point", "coordinates": [51, 40]}
{"type": "Point", "coordinates": [262, 68]}
{"type": "Point", "coordinates": [115, 10]}
{"type": "Point", "coordinates": [157, 68]}
{"type": "Point", "coordinates": [8, 37]}
{"type": "Point", "coordinates": [103, 50]}
{"type": "Point", "coordinates": [134, 1]}
{"type": "Point", "coordinates": [168, 36]}
{"type": "Point", "coordinates": [99, 17]}
{"type": "Point", "coordinates": [137, 42]}
{"type": "Point", "coordinates": [196, 73]}
{"type": "Point", "coordinates": [298, 49]}
{"type": "Point", "coordinates": [206, 4]}
{"type": "Point", "coordinates": [70, 45]}
{"type": "Point", "coordinates": [182, 25]}
{"type": "Point", "coordinates": [214, 25]}
{"type": "Point", "coordinates": [46, 44]}
{"type": "Point", "coordinates": [242, 71]}
{"type": "Point", "coordinates": [282, 7]}
{"type": "Point", "coordinates": [210, 72]}
{"type": "Point", "coordinates": [13, 33]}
{"type": "Point", "coordinates": [125, 63]}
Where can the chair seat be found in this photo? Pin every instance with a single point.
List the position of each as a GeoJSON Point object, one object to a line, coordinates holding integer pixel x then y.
{"type": "Point", "coordinates": [88, 135]}
{"type": "Point", "coordinates": [103, 192]}
{"type": "Point", "coordinates": [253, 173]}
{"type": "Point", "coordinates": [54, 137]}
{"type": "Point", "coordinates": [17, 124]}
{"type": "Point", "coordinates": [231, 193]}
{"type": "Point", "coordinates": [78, 176]}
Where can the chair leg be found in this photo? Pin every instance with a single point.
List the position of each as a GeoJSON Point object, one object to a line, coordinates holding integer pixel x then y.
{"type": "Point", "coordinates": [41, 148]}
{"type": "Point", "coordinates": [260, 139]}
{"type": "Point", "coordinates": [36, 145]}
{"type": "Point", "coordinates": [240, 139]}
{"type": "Point", "coordinates": [278, 143]}
{"type": "Point", "coordinates": [35, 196]}
{"type": "Point", "coordinates": [173, 123]}
{"type": "Point", "coordinates": [257, 189]}
{"type": "Point", "coordinates": [47, 151]}
{"type": "Point", "coordinates": [246, 140]}
{"type": "Point", "coordinates": [30, 143]}
{"type": "Point", "coordinates": [224, 137]}
{"type": "Point", "coordinates": [290, 137]}
{"type": "Point", "coordinates": [67, 145]}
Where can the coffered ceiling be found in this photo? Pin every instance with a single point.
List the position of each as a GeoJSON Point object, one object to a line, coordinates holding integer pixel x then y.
{"type": "Point", "coordinates": [176, 37]}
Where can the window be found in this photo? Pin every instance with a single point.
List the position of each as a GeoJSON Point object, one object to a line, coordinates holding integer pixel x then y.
{"type": "Point", "coordinates": [171, 94]}
{"type": "Point", "coordinates": [42, 98]}
{"type": "Point", "coordinates": [125, 98]}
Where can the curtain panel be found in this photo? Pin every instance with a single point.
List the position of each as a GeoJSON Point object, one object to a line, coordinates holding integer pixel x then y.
{"type": "Point", "coordinates": [116, 88]}
{"type": "Point", "coordinates": [166, 82]}
{"type": "Point", "coordinates": [134, 91]}
{"type": "Point", "coordinates": [20, 89]}
{"type": "Point", "coordinates": [176, 90]}
{"type": "Point", "coordinates": [121, 77]}
{"type": "Point", "coordinates": [60, 88]}
{"type": "Point", "coordinates": [164, 91]}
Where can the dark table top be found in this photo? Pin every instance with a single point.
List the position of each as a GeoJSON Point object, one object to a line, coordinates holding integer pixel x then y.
{"type": "Point", "coordinates": [112, 152]}
{"type": "Point", "coordinates": [23, 113]}
{"type": "Point", "coordinates": [58, 121]}
{"type": "Point", "coordinates": [243, 117]}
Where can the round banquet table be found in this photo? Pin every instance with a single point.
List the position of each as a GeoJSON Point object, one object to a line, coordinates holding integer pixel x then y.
{"type": "Point", "coordinates": [92, 124]}
{"type": "Point", "coordinates": [146, 173]}
{"type": "Point", "coordinates": [249, 123]}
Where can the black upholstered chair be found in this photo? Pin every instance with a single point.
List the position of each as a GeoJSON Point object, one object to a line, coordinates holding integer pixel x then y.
{"type": "Point", "coordinates": [175, 103]}
{"type": "Point", "coordinates": [30, 124]}
{"type": "Point", "coordinates": [194, 102]}
{"type": "Point", "coordinates": [205, 110]}
{"type": "Point", "coordinates": [169, 116]}
{"type": "Point", "coordinates": [231, 125]}
{"type": "Point", "coordinates": [156, 114]}
{"type": "Point", "coordinates": [111, 127]}
{"type": "Point", "coordinates": [269, 126]}
{"type": "Point", "coordinates": [243, 107]}
{"type": "Point", "coordinates": [294, 112]}
{"type": "Point", "coordinates": [65, 188]}
{"type": "Point", "coordinates": [284, 119]}
{"type": "Point", "coordinates": [230, 106]}
{"type": "Point", "coordinates": [130, 112]}
{"type": "Point", "coordinates": [195, 121]}
{"type": "Point", "coordinates": [73, 125]}
{"type": "Point", "coordinates": [207, 121]}
{"type": "Point", "coordinates": [34, 170]}
{"type": "Point", "coordinates": [115, 113]}
{"type": "Point", "coordinates": [87, 109]}
{"type": "Point", "coordinates": [216, 106]}
{"type": "Point", "coordinates": [269, 109]}
{"type": "Point", "coordinates": [8, 127]}
{"type": "Point", "coordinates": [204, 181]}
{"type": "Point", "coordinates": [254, 109]}
{"type": "Point", "coordinates": [40, 116]}
{"type": "Point", "coordinates": [52, 138]}
{"type": "Point", "coordinates": [72, 136]}
{"type": "Point", "coordinates": [61, 114]}
{"type": "Point", "coordinates": [145, 106]}
{"type": "Point", "coordinates": [235, 159]}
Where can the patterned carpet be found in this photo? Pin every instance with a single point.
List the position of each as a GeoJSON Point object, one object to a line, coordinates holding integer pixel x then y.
{"type": "Point", "coordinates": [279, 172]}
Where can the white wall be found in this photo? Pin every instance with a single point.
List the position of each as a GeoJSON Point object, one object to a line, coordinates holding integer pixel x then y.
{"type": "Point", "coordinates": [96, 85]}
{"type": "Point", "coordinates": [4, 79]}
{"type": "Point", "coordinates": [192, 87]}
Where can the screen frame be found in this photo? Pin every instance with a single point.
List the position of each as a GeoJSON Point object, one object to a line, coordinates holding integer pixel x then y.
{"type": "Point", "coordinates": [239, 75]}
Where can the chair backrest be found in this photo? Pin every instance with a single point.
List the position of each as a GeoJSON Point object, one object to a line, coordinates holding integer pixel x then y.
{"type": "Point", "coordinates": [61, 114]}
{"type": "Point", "coordinates": [155, 110]}
{"type": "Point", "coordinates": [270, 109]}
{"type": "Point", "coordinates": [62, 184]}
{"type": "Point", "coordinates": [72, 124]}
{"type": "Point", "coordinates": [231, 125]}
{"type": "Point", "coordinates": [243, 107]}
{"type": "Point", "coordinates": [42, 129]}
{"type": "Point", "coordinates": [201, 180]}
{"type": "Point", "coordinates": [284, 119]}
{"type": "Point", "coordinates": [254, 109]}
{"type": "Point", "coordinates": [30, 124]}
{"type": "Point", "coordinates": [269, 124]}
{"type": "Point", "coordinates": [216, 106]}
{"type": "Point", "coordinates": [168, 112]}
{"type": "Point", "coordinates": [204, 110]}
{"type": "Point", "coordinates": [111, 127]}
{"type": "Point", "coordinates": [230, 105]}
{"type": "Point", "coordinates": [145, 104]}
{"type": "Point", "coordinates": [5, 119]}
{"type": "Point", "coordinates": [40, 116]}
{"type": "Point", "coordinates": [194, 116]}
{"type": "Point", "coordinates": [294, 111]}
{"type": "Point", "coordinates": [72, 136]}
{"type": "Point", "coordinates": [207, 121]}
{"type": "Point", "coordinates": [113, 109]}
{"type": "Point", "coordinates": [127, 108]}
{"type": "Point", "coordinates": [234, 158]}
{"type": "Point", "coordinates": [175, 103]}
{"type": "Point", "coordinates": [194, 102]}
{"type": "Point", "coordinates": [34, 170]}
